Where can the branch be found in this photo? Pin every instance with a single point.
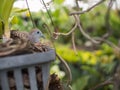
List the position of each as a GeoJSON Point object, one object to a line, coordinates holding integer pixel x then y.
{"type": "Point", "coordinates": [34, 26]}
{"type": "Point", "coordinates": [77, 4]}
{"type": "Point", "coordinates": [48, 13]}
{"type": "Point", "coordinates": [87, 10]}
{"type": "Point", "coordinates": [107, 18]}
{"type": "Point", "coordinates": [83, 32]}
{"type": "Point", "coordinates": [108, 42]}
{"type": "Point", "coordinates": [73, 43]}
{"type": "Point", "coordinates": [10, 48]}
{"type": "Point", "coordinates": [115, 81]}
{"type": "Point", "coordinates": [68, 33]}
{"type": "Point", "coordinates": [67, 68]}
{"type": "Point", "coordinates": [116, 78]}
{"type": "Point", "coordinates": [105, 83]}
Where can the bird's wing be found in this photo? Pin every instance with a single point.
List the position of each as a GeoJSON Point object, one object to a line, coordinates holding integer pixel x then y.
{"type": "Point", "coordinates": [19, 34]}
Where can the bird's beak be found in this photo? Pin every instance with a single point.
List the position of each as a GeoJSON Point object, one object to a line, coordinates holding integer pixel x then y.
{"type": "Point", "coordinates": [43, 36]}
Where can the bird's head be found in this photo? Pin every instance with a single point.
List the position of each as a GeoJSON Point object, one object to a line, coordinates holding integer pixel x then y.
{"type": "Point", "coordinates": [35, 35]}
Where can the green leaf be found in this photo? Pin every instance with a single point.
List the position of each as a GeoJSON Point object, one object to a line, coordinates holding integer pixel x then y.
{"type": "Point", "coordinates": [58, 1]}
{"type": "Point", "coordinates": [5, 10]}
{"type": "Point", "coordinates": [80, 83]}
{"type": "Point", "coordinates": [18, 10]}
{"type": "Point", "coordinates": [14, 20]}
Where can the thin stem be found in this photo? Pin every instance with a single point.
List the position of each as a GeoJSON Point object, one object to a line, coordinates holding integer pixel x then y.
{"type": "Point", "coordinates": [81, 12]}
{"type": "Point", "coordinates": [68, 33]}
{"type": "Point", "coordinates": [105, 83]}
{"type": "Point", "coordinates": [107, 18]}
{"type": "Point", "coordinates": [73, 43]}
{"type": "Point", "coordinates": [83, 32]}
{"type": "Point", "coordinates": [30, 15]}
{"type": "Point", "coordinates": [48, 13]}
{"type": "Point", "coordinates": [67, 68]}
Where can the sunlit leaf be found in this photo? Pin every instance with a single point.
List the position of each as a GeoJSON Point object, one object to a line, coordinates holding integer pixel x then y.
{"type": "Point", "coordinates": [56, 69]}
{"type": "Point", "coordinates": [18, 10]}
{"type": "Point", "coordinates": [14, 20]}
{"type": "Point", "coordinates": [58, 1]}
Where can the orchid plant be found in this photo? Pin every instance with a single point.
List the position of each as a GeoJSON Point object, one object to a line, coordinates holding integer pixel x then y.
{"type": "Point", "coordinates": [5, 10]}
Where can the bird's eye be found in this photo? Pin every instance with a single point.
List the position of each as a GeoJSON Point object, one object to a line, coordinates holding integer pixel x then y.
{"type": "Point", "coordinates": [38, 32]}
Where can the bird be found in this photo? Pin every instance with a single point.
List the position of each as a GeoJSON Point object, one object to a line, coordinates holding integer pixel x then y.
{"type": "Point", "coordinates": [33, 36]}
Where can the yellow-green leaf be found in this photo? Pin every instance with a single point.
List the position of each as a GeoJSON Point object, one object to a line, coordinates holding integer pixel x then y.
{"type": "Point", "coordinates": [14, 20]}
{"type": "Point", "coordinates": [58, 1]}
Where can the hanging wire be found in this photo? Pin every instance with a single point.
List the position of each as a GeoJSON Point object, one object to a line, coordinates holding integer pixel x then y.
{"type": "Point", "coordinates": [45, 25]}
{"type": "Point", "coordinates": [48, 13]}
{"type": "Point", "coordinates": [34, 26]}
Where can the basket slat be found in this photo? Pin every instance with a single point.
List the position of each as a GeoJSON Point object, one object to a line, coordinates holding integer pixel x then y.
{"type": "Point", "coordinates": [32, 78]}
{"type": "Point", "coordinates": [4, 80]}
{"type": "Point", "coordinates": [18, 79]}
{"type": "Point", "coordinates": [45, 75]}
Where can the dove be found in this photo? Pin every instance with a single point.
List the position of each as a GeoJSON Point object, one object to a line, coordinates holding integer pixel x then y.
{"type": "Point", "coordinates": [33, 36]}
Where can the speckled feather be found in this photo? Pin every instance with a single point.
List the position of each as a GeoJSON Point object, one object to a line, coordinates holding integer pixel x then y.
{"type": "Point", "coordinates": [19, 34]}
{"type": "Point", "coordinates": [33, 36]}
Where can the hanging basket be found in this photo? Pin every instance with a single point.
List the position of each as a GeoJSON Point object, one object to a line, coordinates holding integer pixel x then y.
{"type": "Point", "coordinates": [16, 65]}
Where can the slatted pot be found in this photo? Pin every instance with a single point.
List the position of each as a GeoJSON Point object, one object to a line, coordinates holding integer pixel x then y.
{"type": "Point", "coordinates": [29, 61]}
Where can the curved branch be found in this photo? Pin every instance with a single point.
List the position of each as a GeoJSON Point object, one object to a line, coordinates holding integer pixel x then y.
{"type": "Point", "coordinates": [83, 32]}
{"type": "Point", "coordinates": [82, 12]}
{"type": "Point", "coordinates": [108, 42]}
{"type": "Point", "coordinates": [73, 43]}
{"type": "Point", "coordinates": [67, 68]}
{"type": "Point", "coordinates": [105, 83]}
{"type": "Point", "coordinates": [66, 34]}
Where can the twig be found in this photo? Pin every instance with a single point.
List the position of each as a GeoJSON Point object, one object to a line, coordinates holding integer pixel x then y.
{"type": "Point", "coordinates": [107, 41]}
{"type": "Point", "coordinates": [48, 14]}
{"type": "Point", "coordinates": [83, 32]}
{"type": "Point", "coordinates": [30, 15]}
{"type": "Point", "coordinates": [50, 34]}
{"type": "Point", "coordinates": [112, 45]}
{"type": "Point", "coordinates": [73, 43]}
{"type": "Point", "coordinates": [46, 26]}
{"type": "Point", "coordinates": [82, 12]}
{"type": "Point", "coordinates": [48, 3]}
{"type": "Point", "coordinates": [67, 68]}
{"type": "Point", "coordinates": [7, 52]}
{"type": "Point", "coordinates": [114, 80]}
{"type": "Point", "coordinates": [68, 33]}
{"type": "Point", "coordinates": [107, 18]}
{"type": "Point", "coordinates": [105, 83]}
{"type": "Point", "coordinates": [12, 48]}
{"type": "Point", "coordinates": [77, 4]}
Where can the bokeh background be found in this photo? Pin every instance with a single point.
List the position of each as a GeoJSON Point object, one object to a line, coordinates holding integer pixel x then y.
{"type": "Point", "coordinates": [92, 64]}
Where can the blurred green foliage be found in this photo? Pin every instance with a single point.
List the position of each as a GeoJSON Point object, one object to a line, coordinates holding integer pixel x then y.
{"type": "Point", "coordinates": [89, 66]}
